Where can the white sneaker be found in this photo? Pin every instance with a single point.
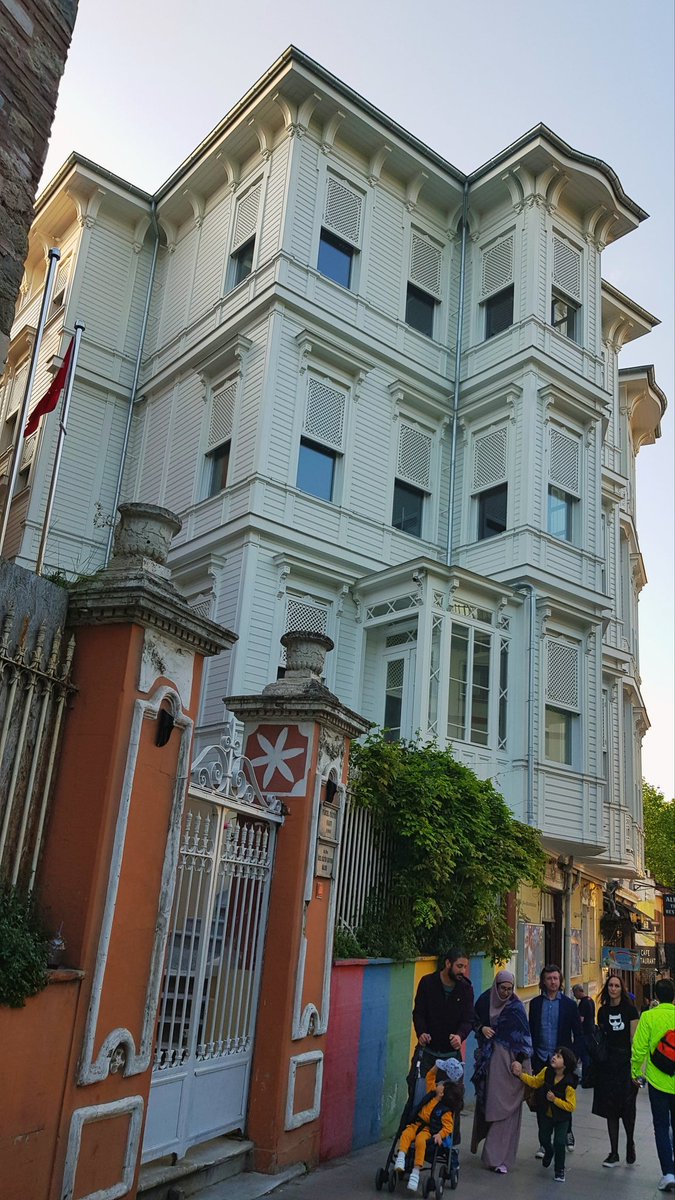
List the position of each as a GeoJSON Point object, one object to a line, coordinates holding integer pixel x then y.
{"type": "Point", "coordinates": [399, 1165]}
{"type": "Point", "coordinates": [540, 1152]}
{"type": "Point", "coordinates": [413, 1182]}
{"type": "Point", "coordinates": [667, 1183]}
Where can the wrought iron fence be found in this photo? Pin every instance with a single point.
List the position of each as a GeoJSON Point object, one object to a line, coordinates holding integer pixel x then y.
{"type": "Point", "coordinates": [364, 875]}
{"type": "Point", "coordinates": [35, 665]}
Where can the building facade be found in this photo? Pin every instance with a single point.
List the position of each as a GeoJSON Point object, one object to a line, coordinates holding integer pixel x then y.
{"type": "Point", "coordinates": [385, 398]}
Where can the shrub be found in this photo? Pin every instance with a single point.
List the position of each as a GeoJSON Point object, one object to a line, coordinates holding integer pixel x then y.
{"type": "Point", "coordinates": [23, 948]}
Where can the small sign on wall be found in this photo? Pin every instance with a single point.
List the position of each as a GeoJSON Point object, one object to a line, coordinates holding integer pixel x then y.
{"type": "Point", "coordinates": [530, 953]}
{"type": "Point", "coordinates": [325, 861]}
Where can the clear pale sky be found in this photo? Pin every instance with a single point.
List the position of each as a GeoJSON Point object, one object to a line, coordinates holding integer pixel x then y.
{"type": "Point", "coordinates": [147, 79]}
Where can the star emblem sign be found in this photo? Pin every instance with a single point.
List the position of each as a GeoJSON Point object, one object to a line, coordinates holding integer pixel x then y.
{"type": "Point", "coordinates": [275, 757]}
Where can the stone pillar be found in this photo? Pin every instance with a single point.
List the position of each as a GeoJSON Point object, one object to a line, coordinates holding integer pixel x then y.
{"type": "Point", "coordinates": [297, 738]}
{"type": "Point", "coordinates": [110, 860]}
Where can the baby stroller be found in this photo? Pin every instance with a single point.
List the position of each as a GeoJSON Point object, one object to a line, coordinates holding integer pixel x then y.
{"type": "Point", "coordinates": [442, 1162]}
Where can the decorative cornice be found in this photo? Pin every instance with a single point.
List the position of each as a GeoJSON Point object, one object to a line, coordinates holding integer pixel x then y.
{"type": "Point", "coordinates": [318, 704]}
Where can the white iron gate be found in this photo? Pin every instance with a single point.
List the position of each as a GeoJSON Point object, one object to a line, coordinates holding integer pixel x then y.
{"type": "Point", "coordinates": [207, 1009]}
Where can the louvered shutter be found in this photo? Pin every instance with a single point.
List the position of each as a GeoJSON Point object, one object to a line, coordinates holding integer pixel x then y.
{"type": "Point", "coordinates": [562, 673]}
{"type": "Point", "coordinates": [414, 456]}
{"type": "Point", "coordinates": [304, 617]}
{"type": "Point", "coordinates": [28, 451]}
{"type": "Point", "coordinates": [246, 217]}
{"type": "Point", "coordinates": [342, 212]}
{"type": "Point", "coordinates": [567, 268]}
{"type": "Point", "coordinates": [425, 264]}
{"type": "Point", "coordinates": [325, 412]}
{"type": "Point", "coordinates": [564, 464]}
{"type": "Point", "coordinates": [59, 293]}
{"type": "Point", "coordinates": [17, 390]}
{"type": "Point", "coordinates": [489, 459]}
{"type": "Point", "coordinates": [222, 413]}
{"type": "Point", "coordinates": [497, 266]}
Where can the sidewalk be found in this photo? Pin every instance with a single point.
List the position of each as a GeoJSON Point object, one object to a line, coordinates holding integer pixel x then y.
{"type": "Point", "coordinates": [353, 1178]}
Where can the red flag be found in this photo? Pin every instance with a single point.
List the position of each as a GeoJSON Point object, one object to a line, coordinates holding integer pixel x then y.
{"type": "Point", "coordinates": [51, 397]}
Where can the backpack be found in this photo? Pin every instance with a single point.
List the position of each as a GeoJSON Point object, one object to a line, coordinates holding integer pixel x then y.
{"type": "Point", "coordinates": [663, 1054]}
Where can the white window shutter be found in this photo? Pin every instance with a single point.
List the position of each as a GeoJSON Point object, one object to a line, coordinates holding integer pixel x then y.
{"type": "Point", "coordinates": [61, 283]}
{"type": "Point", "coordinates": [564, 464]}
{"type": "Point", "coordinates": [246, 216]}
{"type": "Point", "coordinates": [426, 261]}
{"type": "Point", "coordinates": [222, 413]}
{"type": "Point", "coordinates": [28, 450]}
{"type": "Point", "coordinates": [489, 459]}
{"type": "Point", "coordinates": [562, 673]}
{"type": "Point", "coordinates": [342, 212]}
{"type": "Point", "coordinates": [414, 456]}
{"type": "Point", "coordinates": [325, 412]}
{"type": "Point", "coordinates": [567, 268]}
{"type": "Point", "coordinates": [17, 390]}
{"type": "Point", "coordinates": [497, 266]}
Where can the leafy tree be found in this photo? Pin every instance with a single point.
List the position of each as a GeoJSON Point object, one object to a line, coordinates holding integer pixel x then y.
{"type": "Point", "coordinates": [659, 826]}
{"type": "Point", "coordinates": [457, 851]}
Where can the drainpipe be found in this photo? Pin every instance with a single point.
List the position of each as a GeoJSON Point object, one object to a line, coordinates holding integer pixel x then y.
{"type": "Point", "coordinates": [134, 384]}
{"type": "Point", "coordinates": [572, 879]}
{"type": "Point", "coordinates": [531, 633]}
{"type": "Point", "coordinates": [458, 364]}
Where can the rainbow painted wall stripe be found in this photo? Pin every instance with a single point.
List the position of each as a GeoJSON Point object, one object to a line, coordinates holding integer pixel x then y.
{"type": "Point", "coordinates": [369, 1045]}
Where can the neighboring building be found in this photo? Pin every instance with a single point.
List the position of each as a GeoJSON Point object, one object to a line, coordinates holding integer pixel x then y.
{"type": "Point", "coordinates": [34, 43]}
{"type": "Point", "coordinates": [470, 545]}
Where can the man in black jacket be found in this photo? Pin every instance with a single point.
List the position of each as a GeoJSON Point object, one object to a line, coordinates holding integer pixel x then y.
{"type": "Point", "coordinates": [443, 1013]}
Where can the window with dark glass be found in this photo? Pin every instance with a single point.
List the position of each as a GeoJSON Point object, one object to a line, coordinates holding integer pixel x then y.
{"type": "Point", "coordinates": [565, 316]}
{"type": "Point", "coordinates": [408, 508]}
{"type": "Point", "coordinates": [560, 514]}
{"type": "Point", "coordinates": [316, 469]}
{"type": "Point", "coordinates": [498, 312]}
{"type": "Point", "coordinates": [469, 684]}
{"type": "Point", "coordinates": [419, 310]}
{"type": "Point", "coordinates": [492, 512]}
{"type": "Point", "coordinates": [558, 735]}
{"type": "Point", "coordinates": [393, 699]}
{"type": "Point", "coordinates": [335, 258]}
{"type": "Point", "coordinates": [219, 464]}
{"type": "Point", "coordinates": [241, 263]}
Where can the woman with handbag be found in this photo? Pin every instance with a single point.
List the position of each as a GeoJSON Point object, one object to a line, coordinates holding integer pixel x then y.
{"type": "Point", "coordinates": [503, 1037]}
{"type": "Point", "coordinates": [615, 1094]}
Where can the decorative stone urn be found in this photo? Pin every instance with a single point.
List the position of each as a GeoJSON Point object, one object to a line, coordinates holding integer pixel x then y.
{"type": "Point", "coordinates": [306, 652]}
{"type": "Point", "coordinates": [145, 531]}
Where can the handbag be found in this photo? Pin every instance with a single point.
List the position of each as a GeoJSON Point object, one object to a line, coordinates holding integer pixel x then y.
{"type": "Point", "coordinates": [596, 1044]}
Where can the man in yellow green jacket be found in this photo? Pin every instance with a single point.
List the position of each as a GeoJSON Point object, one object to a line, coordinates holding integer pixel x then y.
{"type": "Point", "coordinates": [653, 1028]}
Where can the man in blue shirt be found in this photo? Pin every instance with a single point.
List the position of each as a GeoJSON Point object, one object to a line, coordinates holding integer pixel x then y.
{"type": "Point", "coordinates": [554, 1022]}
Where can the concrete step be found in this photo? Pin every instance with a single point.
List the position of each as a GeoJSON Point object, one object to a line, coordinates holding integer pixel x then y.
{"type": "Point", "coordinates": [211, 1163]}
{"type": "Point", "coordinates": [251, 1184]}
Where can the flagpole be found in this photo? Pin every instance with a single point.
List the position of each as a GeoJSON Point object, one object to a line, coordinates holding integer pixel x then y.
{"type": "Point", "coordinates": [54, 256]}
{"type": "Point", "coordinates": [63, 424]}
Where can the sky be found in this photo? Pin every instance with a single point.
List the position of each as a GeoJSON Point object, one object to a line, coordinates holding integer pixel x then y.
{"type": "Point", "coordinates": [146, 80]}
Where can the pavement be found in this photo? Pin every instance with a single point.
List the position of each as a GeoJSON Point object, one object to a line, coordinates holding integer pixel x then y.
{"type": "Point", "coordinates": [353, 1177]}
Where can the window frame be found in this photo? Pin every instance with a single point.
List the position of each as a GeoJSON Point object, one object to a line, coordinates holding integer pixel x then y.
{"type": "Point", "coordinates": [329, 452]}
{"type": "Point", "coordinates": [571, 719]}
{"type": "Point", "coordinates": [330, 238]}
{"type": "Point", "coordinates": [469, 684]}
{"type": "Point", "coordinates": [412, 489]}
{"type": "Point", "coordinates": [571, 503]}
{"type": "Point", "coordinates": [421, 294]}
{"type": "Point", "coordinates": [572, 315]}
{"type": "Point", "coordinates": [481, 534]}
{"type": "Point", "coordinates": [215, 455]}
{"type": "Point", "coordinates": [234, 278]}
{"type": "Point", "coordinates": [489, 303]}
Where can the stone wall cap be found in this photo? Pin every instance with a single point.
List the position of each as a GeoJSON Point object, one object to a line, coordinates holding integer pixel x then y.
{"type": "Point", "coordinates": [115, 597]}
{"type": "Point", "coordinates": [318, 705]}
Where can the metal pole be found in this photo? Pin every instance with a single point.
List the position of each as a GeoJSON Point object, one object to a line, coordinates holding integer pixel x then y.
{"type": "Point", "coordinates": [54, 256]}
{"type": "Point", "coordinates": [63, 423]}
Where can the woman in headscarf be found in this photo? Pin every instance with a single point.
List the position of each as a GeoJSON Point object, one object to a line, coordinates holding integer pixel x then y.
{"type": "Point", "coordinates": [503, 1036]}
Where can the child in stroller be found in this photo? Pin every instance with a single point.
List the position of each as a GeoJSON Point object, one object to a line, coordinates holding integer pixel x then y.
{"type": "Point", "coordinates": [424, 1135]}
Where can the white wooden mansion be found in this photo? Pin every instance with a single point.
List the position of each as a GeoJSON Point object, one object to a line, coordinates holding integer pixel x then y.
{"type": "Point", "coordinates": [466, 538]}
